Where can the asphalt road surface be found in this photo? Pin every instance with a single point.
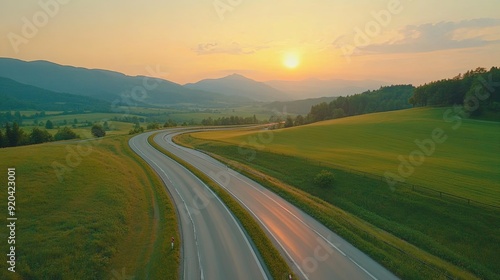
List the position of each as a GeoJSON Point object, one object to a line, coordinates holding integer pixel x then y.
{"type": "Point", "coordinates": [313, 251]}
{"type": "Point", "coordinates": [214, 245]}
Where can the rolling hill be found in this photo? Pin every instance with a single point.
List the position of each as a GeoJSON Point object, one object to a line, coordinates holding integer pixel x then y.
{"type": "Point", "coordinates": [374, 143]}
{"type": "Point", "coordinates": [17, 96]}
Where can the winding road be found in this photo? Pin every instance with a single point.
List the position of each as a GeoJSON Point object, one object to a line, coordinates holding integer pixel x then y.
{"type": "Point", "coordinates": [214, 246]}
{"type": "Point", "coordinates": [313, 251]}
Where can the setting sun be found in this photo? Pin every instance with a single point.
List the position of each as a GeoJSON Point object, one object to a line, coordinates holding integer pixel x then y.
{"type": "Point", "coordinates": [291, 60]}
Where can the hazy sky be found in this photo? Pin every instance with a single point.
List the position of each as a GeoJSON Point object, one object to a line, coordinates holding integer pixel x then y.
{"type": "Point", "coordinates": [187, 40]}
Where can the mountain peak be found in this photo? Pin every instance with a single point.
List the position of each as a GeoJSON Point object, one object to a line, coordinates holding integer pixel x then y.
{"type": "Point", "coordinates": [241, 86]}
{"type": "Point", "coordinates": [237, 76]}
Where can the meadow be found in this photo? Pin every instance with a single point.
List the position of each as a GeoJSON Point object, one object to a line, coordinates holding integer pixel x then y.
{"type": "Point", "coordinates": [452, 237]}
{"type": "Point", "coordinates": [463, 164]}
{"type": "Point", "coordinates": [88, 210]}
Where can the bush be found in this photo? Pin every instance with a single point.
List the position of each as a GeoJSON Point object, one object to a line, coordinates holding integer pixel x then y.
{"type": "Point", "coordinates": [65, 133]}
{"type": "Point", "coordinates": [98, 131]}
{"type": "Point", "coordinates": [324, 179]}
{"type": "Point", "coordinates": [153, 126]}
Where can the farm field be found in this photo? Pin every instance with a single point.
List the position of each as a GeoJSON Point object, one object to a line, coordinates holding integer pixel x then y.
{"type": "Point", "coordinates": [90, 117]}
{"type": "Point", "coordinates": [464, 164]}
{"type": "Point", "coordinates": [99, 215]}
{"type": "Point", "coordinates": [450, 229]}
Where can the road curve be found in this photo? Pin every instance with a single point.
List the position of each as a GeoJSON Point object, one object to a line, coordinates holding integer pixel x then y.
{"type": "Point", "coordinates": [314, 251]}
{"type": "Point", "coordinates": [213, 244]}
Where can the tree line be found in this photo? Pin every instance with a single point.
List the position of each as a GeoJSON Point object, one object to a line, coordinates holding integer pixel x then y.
{"type": "Point", "coordinates": [387, 98]}
{"type": "Point", "coordinates": [13, 135]}
{"type": "Point", "coordinates": [476, 89]}
{"type": "Point", "coordinates": [232, 120]}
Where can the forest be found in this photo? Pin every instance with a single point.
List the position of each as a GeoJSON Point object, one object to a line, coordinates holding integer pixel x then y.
{"type": "Point", "coordinates": [476, 90]}
{"type": "Point", "coordinates": [387, 98]}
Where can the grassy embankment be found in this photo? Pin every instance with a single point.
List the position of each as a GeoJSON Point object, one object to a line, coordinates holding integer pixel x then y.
{"type": "Point", "coordinates": [452, 237]}
{"type": "Point", "coordinates": [109, 217]}
{"type": "Point", "coordinates": [277, 266]}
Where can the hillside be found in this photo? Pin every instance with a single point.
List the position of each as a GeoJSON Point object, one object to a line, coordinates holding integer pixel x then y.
{"type": "Point", "coordinates": [240, 86]}
{"type": "Point", "coordinates": [373, 143]}
{"type": "Point", "coordinates": [78, 218]}
{"type": "Point", "coordinates": [432, 150]}
{"type": "Point", "coordinates": [17, 96]}
{"type": "Point", "coordinates": [106, 85]}
{"type": "Point", "coordinates": [387, 98]}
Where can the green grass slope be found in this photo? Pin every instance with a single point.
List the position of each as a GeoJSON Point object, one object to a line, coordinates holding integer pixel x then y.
{"type": "Point", "coordinates": [465, 164]}
{"type": "Point", "coordinates": [102, 215]}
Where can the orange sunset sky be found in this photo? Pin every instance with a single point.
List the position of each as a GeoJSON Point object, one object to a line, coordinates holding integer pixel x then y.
{"type": "Point", "coordinates": [396, 41]}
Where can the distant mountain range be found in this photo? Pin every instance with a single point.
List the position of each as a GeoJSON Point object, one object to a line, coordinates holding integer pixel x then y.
{"type": "Point", "coordinates": [312, 88]}
{"type": "Point", "coordinates": [108, 85]}
{"type": "Point", "coordinates": [119, 89]}
{"type": "Point", "coordinates": [277, 90]}
{"type": "Point", "coordinates": [238, 85]}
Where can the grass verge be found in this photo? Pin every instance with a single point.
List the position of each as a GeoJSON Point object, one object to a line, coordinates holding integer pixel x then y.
{"type": "Point", "coordinates": [106, 216]}
{"type": "Point", "coordinates": [413, 235]}
{"type": "Point", "coordinates": [275, 263]}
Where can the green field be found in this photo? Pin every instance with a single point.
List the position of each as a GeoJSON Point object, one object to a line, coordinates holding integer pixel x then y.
{"type": "Point", "coordinates": [465, 164]}
{"type": "Point", "coordinates": [448, 229]}
{"type": "Point", "coordinates": [149, 115]}
{"type": "Point", "coordinates": [90, 117]}
{"type": "Point", "coordinates": [102, 215]}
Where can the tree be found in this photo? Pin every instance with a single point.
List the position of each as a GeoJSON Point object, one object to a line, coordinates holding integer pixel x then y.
{"type": "Point", "coordinates": [65, 133]}
{"type": "Point", "coordinates": [338, 113]}
{"type": "Point", "coordinates": [288, 122]}
{"type": "Point", "coordinates": [2, 140]}
{"type": "Point", "coordinates": [15, 136]}
{"type": "Point", "coordinates": [320, 112]}
{"type": "Point", "coordinates": [8, 132]}
{"type": "Point", "coordinates": [299, 120]}
{"type": "Point", "coordinates": [153, 125]}
{"type": "Point", "coordinates": [49, 124]}
{"type": "Point", "coordinates": [98, 131]}
{"type": "Point", "coordinates": [169, 123]}
{"type": "Point", "coordinates": [137, 129]}
{"type": "Point", "coordinates": [38, 136]}
{"type": "Point", "coordinates": [324, 179]}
